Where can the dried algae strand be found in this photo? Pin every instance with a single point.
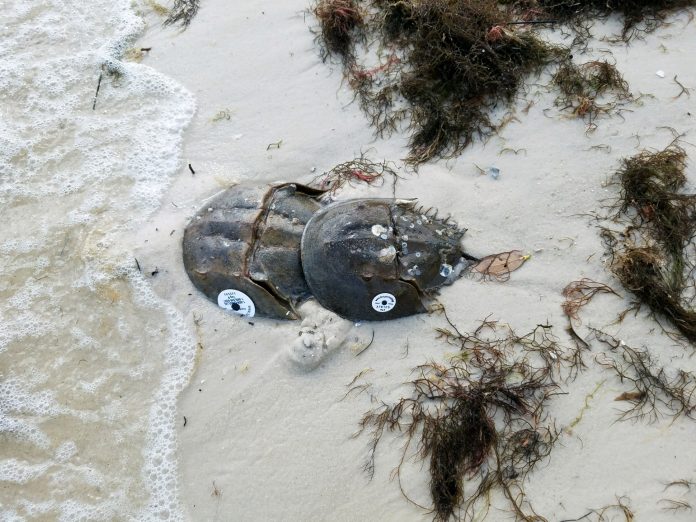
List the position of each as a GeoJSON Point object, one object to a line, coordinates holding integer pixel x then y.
{"type": "Point", "coordinates": [608, 513]}
{"type": "Point", "coordinates": [579, 293]}
{"type": "Point", "coordinates": [479, 421]}
{"type": "Point", "coordinates": [681, 504]}
{"type": "Point", "coordinates": [654, 257]}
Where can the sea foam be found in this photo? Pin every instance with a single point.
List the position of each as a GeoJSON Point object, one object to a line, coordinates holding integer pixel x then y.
{"type": "Point", "coordinates": [91, 359]}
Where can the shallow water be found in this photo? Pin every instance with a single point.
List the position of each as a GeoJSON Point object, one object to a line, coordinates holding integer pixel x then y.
{"type": "Point", "coordinates": [90, 359]}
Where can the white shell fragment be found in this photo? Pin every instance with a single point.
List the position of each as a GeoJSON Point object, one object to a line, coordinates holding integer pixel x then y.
{"type": "Point", "coordinates": [378, 230]}
{"type": "Point", "coordinates": [387, 255]}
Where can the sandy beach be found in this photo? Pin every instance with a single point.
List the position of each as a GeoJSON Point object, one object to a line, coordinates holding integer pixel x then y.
{"type": "Point", "coordinates": [250, 418]}
{"type": "Point", "coordinates": [266, 439]}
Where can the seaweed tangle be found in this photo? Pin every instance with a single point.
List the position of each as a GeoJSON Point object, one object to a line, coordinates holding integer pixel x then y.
{"type": "Point", "coordinates": [443, 66]}
{"type": "Point", "coordinates": [583, 86]}
{"type": "Point", "coordinates": [479, 420]}
{"type": "Point", "coordinates": [656, 390]}
{"type": "Point", "coordinates": [182, 12]}
{"type": "Point", "coordinates": [639, 16]}
{"type": "Point", "coordinates": [357, 170]}
{"type": "Point", "coordinates": [654, 256]}
{"type": "Point", "coordinates": [579, 293]}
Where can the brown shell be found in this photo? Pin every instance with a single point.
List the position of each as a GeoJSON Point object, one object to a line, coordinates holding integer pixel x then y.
{"type": "Point", "coordinates": [248, 239]}
{"type": "Point", "coordinates": [376, 259]}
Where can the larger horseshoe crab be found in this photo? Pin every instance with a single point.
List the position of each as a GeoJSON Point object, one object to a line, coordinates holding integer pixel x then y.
{"type": "Point", "coordinates": [377, 259]}
{"type": "Point", "coordinates": [243, 249]}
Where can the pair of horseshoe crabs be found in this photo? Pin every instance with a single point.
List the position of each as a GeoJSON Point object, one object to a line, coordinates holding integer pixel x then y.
{"type": "Point", "coordinates": [263, 250]}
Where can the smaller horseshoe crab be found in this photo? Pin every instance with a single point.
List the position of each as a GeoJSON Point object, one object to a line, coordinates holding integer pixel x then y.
{"type": "Point", "coordinates": [243, 249]}
{"type": "Point", "coordinates": [377, 259]}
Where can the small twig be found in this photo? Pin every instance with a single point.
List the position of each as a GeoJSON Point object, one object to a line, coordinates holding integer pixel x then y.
{"type": "Point", "coordinates": [275, 145]}
{"type": "Point", "coordinates": [64, 245]}
{"type": "Point", "coordinates": [191, 169]}
{"type": "Point", "coordinates": [101, 74]}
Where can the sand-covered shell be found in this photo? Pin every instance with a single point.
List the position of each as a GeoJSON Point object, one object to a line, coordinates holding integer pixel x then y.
{"type": "Point", "coordinates": [377, 259]}
{"type": "Point", "coordinates": [242, 250]}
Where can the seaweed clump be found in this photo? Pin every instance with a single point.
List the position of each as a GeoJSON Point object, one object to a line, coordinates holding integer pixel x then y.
{"type": "Point", "coordinates": [583, 86]}
{"type": "Point", "coordinates": [340, 20]}
{"type": "Point", "coordinates": [478, 419]}
{"type": "Point", "coordinates": [443, 67]}
{"type": "Point", "coordinates": [654, 256]}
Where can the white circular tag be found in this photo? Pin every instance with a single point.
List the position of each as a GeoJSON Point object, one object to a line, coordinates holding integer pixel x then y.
{"type": "Point", "coordinates": [383, 302]}
{"type": "Point", "coordinates": [237, 302]}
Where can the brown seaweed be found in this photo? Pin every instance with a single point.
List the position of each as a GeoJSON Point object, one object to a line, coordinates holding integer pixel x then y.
{"type": "Point", "coordinates": [639, 16]}
{"type": "Point", "coordinates": [358, 170]}
{"type": "Point", "coordinates": [340, 21]}
{"type": "Point", "coordinates": [657, 390]}
{"type": "Point", "coordinates": [654, 256]}
{"type": "Point", "coordinates": [584, 86]}
{"type": "Point", "coordinates": [579, 293]}
{"type": "Point", "coordinates": [479, 420]}
{"type": "Point", "coordinates": [443, 66]}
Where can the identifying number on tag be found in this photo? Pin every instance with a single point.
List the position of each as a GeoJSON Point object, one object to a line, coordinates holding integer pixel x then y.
{"type": "Point", "coordinates": [383, 302]}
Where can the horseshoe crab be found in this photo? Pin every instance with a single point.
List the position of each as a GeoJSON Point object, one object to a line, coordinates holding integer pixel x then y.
{"type": "Point", "coordinates": [262, 250]}
{"type": "Point", "coordinates": [243, 249]}
{"type": "Point", "coordinates": [377, 259]}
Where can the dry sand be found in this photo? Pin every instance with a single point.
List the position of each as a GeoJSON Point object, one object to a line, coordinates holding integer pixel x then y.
{"type": "Point", "coordinates": [267, 439]}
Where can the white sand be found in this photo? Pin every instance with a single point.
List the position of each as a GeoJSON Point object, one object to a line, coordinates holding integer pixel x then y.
{"type": "Point", "coordinates": [275, 440]}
